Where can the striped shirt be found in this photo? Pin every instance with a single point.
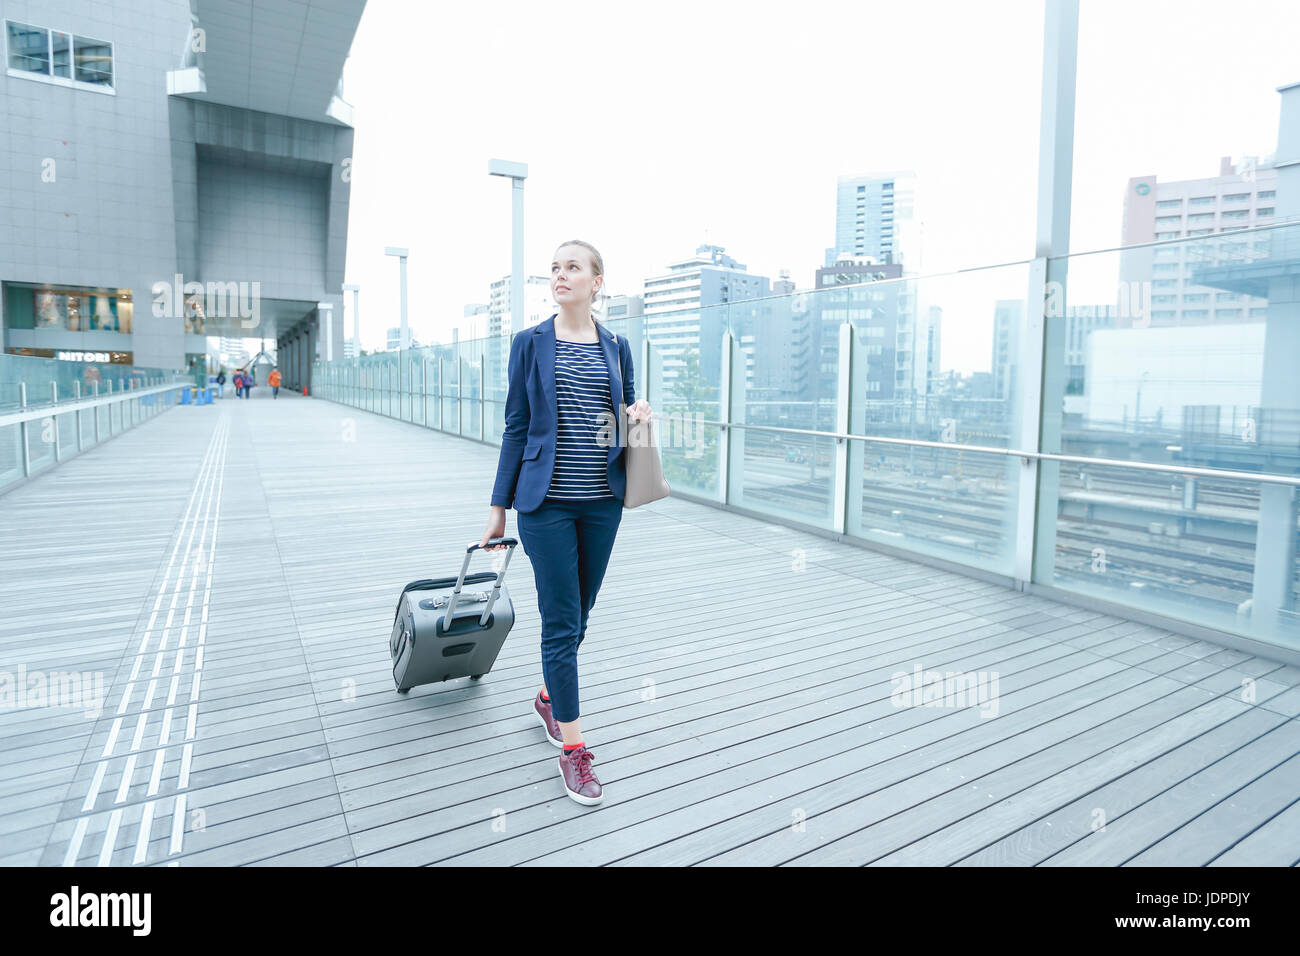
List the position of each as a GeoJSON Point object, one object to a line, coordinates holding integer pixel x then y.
{"type": "Point", "coordinates": [581, 394]}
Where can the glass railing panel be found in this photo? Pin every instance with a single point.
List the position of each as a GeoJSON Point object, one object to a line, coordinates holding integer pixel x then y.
{"type": "Point", "coordinates": [472, 393]}
{"type": "Point", "coordinates": [785, 374]}
{"type": "Point", "coordinates": [67, 426]}
{"type": "Point", "coordinates": [450, 403]}
{"type": "Point", "coordinates": [11, 454]}
{"type": "Point", "coordinates": [690, 388]}
{"type": "Point", "coordinates": [1184, 354]}
{"type": "Point", "coordinates": [934, 359]}
{"type": "Point", "coordinates": [40, 441]}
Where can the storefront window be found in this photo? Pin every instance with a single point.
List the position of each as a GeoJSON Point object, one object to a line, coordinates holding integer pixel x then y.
{"type": "Point", "coordinates": [70, 309]}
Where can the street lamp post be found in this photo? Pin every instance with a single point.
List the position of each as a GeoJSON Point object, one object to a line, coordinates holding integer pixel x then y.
{"type": "Point", "coordinates": [517, 173]}
{"type": "Point", "coordinates": [401, 255]}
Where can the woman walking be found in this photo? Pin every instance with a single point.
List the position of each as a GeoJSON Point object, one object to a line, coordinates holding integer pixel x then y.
{"type": "Point", "coordinates": [563, 470]}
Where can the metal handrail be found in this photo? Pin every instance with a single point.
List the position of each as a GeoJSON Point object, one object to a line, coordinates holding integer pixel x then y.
{"type": "Point", "coordinates": [1262, 477]}
{"type": "Point", "coordinates": [33, 412]}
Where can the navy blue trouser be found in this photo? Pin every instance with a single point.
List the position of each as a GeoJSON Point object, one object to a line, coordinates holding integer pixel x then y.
{"type": "Point", "coordinates": [568, 543]}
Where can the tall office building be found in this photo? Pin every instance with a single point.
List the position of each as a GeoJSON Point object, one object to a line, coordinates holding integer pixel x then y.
{"type": "Point", "coordinates": [677, 309]}
{"type": "Point", "coordinates": [883, 316]}
{"type": "Point", "coordinates": [876, 217]}
{"type": "Point", "coordinates": [925, 356]}
{"type": "Point", "coordinates": [538, 305]}
{"type": "Point", "coordinates": [1241, 196]}
{"type": "Point", "coordinates": [1008, 317]}
{"type": "Point", "coordinates": [232, 351]}
{"type": "Point", "coordinates": [172, 171]}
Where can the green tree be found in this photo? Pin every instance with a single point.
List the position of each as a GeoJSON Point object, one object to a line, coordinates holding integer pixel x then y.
{"type": "Point", "coordinates": [692, 397]}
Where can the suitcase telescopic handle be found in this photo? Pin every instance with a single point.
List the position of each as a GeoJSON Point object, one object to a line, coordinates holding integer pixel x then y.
{"type": "Point", "coordinates": [450, 617]}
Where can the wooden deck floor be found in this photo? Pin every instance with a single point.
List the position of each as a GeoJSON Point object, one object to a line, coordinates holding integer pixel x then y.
{"type": "Point", "coordinates": [231, 572]}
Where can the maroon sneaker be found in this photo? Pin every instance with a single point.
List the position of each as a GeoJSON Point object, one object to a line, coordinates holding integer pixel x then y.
{"type": "Point", "coordinates": [579, 779]}
{"type": "Point", "coordinates": [552, 726]}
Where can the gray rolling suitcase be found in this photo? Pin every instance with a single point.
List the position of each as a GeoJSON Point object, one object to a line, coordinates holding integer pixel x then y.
{"type": "Point", "coordinates": [441, 631]}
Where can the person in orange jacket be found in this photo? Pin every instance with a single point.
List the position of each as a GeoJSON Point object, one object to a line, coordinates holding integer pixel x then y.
{"type": "Point", "coordinates": [274, 381]}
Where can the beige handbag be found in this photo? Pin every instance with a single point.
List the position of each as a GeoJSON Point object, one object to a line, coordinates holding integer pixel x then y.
{"type": "Point", "coordinates": [645, 472]}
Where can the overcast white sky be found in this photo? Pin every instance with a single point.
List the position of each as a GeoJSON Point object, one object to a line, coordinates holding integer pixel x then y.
{"type": "Point", "coordinates": [651, 128]}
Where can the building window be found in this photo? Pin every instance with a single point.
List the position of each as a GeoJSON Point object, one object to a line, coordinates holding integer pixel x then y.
{"type": "Point", "coordinates": [1170, 204]}
{"type": "Point", "coordinates": [69, 308]}
{"type": "Point", "coordinates": [1235, 214]}
{"type": "Point", "coordinates": [94, 61]}
{"type": "Point", "coordinates": [1168, 235]}
{"type": "Point", "coordinates": [1202, 217]}
{"type": "Point", "coordinates": [1169, 220]}
{"type": "Point", "coordinates": [1201, 201]}
{"type": "Point", "coordinates": [60, 57]}
{"type": "Point", "coordinates": [1266, 194]}
{"type": "Point", "coordinates": [1196, 297]}
{"type": "Point", "coordinates": [1263, 211]}
{"type": "Point", "coordinates": [1199, 232]}
{"type": "Point", "coordinates": [1236, 197]}
{"type": "Point", "coordinates": [1228, 314]}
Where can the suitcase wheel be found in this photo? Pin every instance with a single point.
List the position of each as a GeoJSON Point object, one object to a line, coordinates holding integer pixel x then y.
{"type": "Point", "coordinates": [407, 691]}
{"type": "Point", "coordinates": [475, 676]}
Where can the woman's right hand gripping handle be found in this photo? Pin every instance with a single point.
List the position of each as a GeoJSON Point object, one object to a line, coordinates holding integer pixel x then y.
{"type": "Point", "coordinates": [496, 528]}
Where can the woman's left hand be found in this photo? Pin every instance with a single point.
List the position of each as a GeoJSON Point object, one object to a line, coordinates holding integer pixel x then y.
{"type": "Point", "coordinates": [639, 411]}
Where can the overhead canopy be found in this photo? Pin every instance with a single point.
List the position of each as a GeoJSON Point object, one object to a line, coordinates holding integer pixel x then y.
{"type": "Point", "coordinates": [276, 56]}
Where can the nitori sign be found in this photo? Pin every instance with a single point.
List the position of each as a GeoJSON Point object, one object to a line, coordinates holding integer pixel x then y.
{"type": "Point", "coordinates": [83, 356]}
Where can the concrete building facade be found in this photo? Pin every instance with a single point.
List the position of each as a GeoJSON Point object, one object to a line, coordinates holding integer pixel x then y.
{"type": "Point", "coordinates": [173, 176]}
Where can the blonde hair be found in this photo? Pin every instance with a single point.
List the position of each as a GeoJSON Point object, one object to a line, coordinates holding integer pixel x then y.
{"type": "Point", "coordinates": [597, 268]}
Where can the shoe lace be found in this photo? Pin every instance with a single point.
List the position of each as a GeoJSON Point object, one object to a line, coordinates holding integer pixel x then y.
{"type": "Point", "coordinates": [582, 759]}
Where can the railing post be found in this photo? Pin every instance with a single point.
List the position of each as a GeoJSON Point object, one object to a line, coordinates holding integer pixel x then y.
{"type": "Point", "coordinates": [724, 416]}
{"type": "Point", "coordinates": [22, 431]}
{"type": "Point", "coordinates": [460, 395]}
{"type": "Point", "coordinates": [840, 483]}
{"type": "Point", "coordinates": [1039, 377]}
{"type": "Point", "coordinates": [96, 412]}
{"type": "Point", "coordinates": [54, 420]}
{"type": "Point", "coordinates": [76, 397]}
{"type": "Point", "coordinates": [442, 370]}
{"type": "Point", "coordinates": [482, 401]}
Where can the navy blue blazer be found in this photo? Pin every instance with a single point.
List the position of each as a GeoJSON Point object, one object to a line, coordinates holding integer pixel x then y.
{"type": "Point", "coordinates": [528, 443]}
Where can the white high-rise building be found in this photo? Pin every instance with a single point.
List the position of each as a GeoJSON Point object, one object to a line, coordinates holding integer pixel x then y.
{"type": "Point", "coordinates": [233, 351]}
{"type": "Point", "coordinates": [538, 305]}
{"type": "Point", "coordinates": [1242, 195]}
{"type": "Point", "coordinates": [677, 317]}
{"type": "Point", "coordinates": [876, 217]}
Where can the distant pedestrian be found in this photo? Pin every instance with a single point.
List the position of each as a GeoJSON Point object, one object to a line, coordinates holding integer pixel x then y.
{"type": "Point", "coordinates": [274, 381]}
{"type": "Point", "coordinates": [238, 381]}
{"type": "Point", "coordinates": [221, 383]}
